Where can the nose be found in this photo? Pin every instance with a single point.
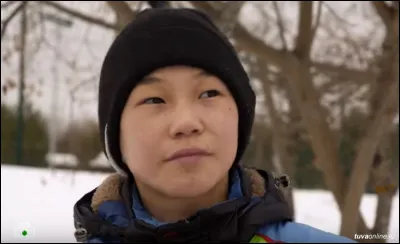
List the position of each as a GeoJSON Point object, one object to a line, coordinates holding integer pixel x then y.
{"type": "Point", "coordinates": [186, 122]}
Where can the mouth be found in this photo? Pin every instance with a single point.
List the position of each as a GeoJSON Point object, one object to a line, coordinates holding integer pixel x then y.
{"type": "Point", "coordinates": [188, 155]}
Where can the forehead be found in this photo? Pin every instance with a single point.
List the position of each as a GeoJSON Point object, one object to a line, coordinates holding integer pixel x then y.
{"type": "Point", "coordinates": [174, 73]}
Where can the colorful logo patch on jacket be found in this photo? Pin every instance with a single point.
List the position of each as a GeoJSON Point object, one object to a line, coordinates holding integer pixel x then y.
{"type": "Point", "coordinates": [259, 238]}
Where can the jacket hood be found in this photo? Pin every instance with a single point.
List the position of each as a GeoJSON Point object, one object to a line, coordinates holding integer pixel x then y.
{"type": "Point", "coordinates": [260, 203]}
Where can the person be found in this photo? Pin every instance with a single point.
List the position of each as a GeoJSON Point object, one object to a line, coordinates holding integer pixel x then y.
{"type": "Point", "coordinates": [176, 110]}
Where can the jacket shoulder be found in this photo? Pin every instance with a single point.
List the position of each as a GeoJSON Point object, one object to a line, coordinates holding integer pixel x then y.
{"type": "Point", "coordinates": [101, 210]}
{"type": "Point", "coordinates": [296, 232]}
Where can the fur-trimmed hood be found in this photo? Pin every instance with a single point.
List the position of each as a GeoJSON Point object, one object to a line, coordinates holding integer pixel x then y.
{"type": "Point", "coordinates": [108, 190]}
{"type": "Point", "coordinates": [110, 205]}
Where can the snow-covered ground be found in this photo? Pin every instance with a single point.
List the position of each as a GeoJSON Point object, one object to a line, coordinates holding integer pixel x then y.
{"type": "Point", "coordinates": [40, 202]}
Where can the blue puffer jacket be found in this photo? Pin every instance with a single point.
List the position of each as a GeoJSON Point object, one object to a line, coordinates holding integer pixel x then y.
{"type": "Point", "coordinates": [114, 209]}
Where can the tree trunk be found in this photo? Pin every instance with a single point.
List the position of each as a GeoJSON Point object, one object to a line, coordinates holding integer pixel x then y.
{"type": "Point", "coordinates": [385, 184]}
{"type": "Point", "coordinates": [383, 108]}
{"type": "Point", "coordinates": [383, 215]}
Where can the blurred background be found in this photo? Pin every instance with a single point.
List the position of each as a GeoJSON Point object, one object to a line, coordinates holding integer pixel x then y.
{"type": "Point", "coordinates": [326, 76]}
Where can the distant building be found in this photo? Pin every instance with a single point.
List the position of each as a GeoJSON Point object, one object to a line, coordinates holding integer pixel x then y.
{"type": "Point", "coordinates": [100, 161]}
{"type": "Point", "coordinates": [62, 160]}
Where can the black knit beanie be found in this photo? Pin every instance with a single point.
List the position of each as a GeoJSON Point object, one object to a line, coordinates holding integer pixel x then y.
{"type": "Point", "coordinates": [164, 37]}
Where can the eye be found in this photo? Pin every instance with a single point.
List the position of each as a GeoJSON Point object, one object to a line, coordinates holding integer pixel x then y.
{"type": "Point", "coordinates": [151, 100]}
{"type": "Point", "coordinates": [210, 93]}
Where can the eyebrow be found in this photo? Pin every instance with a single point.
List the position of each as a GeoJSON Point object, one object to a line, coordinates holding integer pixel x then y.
{"type": "Point", "coordinates": [147, 80]}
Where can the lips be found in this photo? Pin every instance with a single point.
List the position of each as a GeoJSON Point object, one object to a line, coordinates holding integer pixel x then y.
{"type": "Point", "coordinates": [188, 154]}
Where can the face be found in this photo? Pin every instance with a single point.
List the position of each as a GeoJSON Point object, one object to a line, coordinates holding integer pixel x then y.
{"type": "Point", "coordinates": [178, 111]}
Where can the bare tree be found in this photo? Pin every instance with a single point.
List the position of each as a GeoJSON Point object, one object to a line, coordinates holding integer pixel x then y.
{"type": "Point", "coordinates": [383, 109]}
{"type": "Point", "coordinates": [296, 65]}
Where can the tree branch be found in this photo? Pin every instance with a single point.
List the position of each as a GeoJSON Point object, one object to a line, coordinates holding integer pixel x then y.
{"type": "Point", "coordinates": [305, 31]}
{"type": "Point", "coordinates": [335, 15]}
{"type": "Point", "coordinates": [9, 18]}
{"type": "Point", "coordinates": [70, 63]}
{"type": "Point", "coordinates": [362, 56]}
{"type": "Point", "coordinates": [124, 14]}
{"type": "Point", "coordinates": [83, 83]}
{"type": "Point", "coordinates": [280, 25]}
{"type": "Point", "coordinates": [7, 4]}
{"type": "Point", "coordinates": [317, 20]}
{"type": "Point", "coordinates": [384, 11]}
{"type": "Point", "coordinates": [245, 41]}
{"type": "Point", "coordinates": [80, 15]}
{"type": "Point", "coordinates": [228, 18]}
{"type": "Point", "coordinates": [39, 40]}
{"type": "Point", "coordinates": [360, 76]}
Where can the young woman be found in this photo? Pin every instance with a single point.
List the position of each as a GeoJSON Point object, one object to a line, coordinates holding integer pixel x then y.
{"type": "Point", "coordinates": [176, 111]}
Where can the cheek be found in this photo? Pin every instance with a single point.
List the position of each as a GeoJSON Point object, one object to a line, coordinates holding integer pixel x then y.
{"type": "Point", "coordinates": [226, 121]}
{"type": "Point", "coordinates": [225, 125]}
{"type": "Point", "coordinates": [138, 141]}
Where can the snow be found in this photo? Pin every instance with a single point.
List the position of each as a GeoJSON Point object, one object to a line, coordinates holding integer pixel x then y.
{"type": "Point", "coordinates": [41, 201]}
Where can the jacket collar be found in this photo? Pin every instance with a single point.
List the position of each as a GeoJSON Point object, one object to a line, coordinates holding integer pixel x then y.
{"type": "Point", "coordinates": [244, 182]}
{"type": "Point", "coordinates": [235, 192]}
{"type": "Point", "coordinates": [236, 219]}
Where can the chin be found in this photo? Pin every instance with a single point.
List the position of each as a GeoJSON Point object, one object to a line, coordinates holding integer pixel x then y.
{"type": "Point", "coordinates": [180, 188]}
